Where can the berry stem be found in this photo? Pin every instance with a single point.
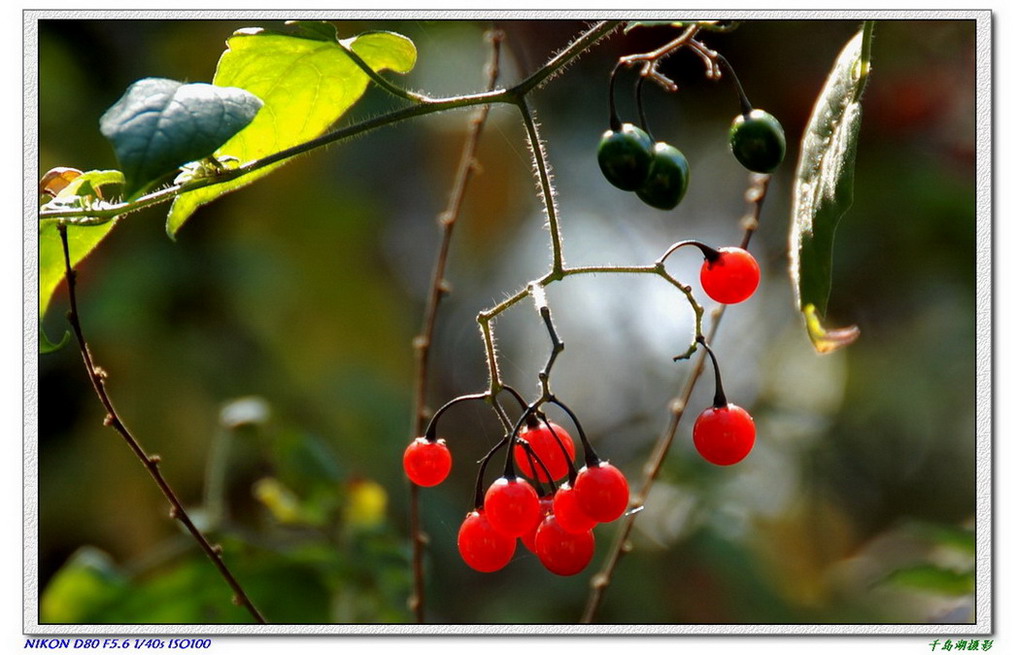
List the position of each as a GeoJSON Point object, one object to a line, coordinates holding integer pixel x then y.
{"type": "Point", "coordinates": [638, 86]}
{"type": "Point", "coordinates": [720, 394]}
{"type": "Point", "coordinates": [745, 104]}
{"type": "Point", "coordinates": [614, 117]}
{"type": "Point", "coordinates": [571, 471]}
{"type": "Point", "coordinates": [431, 429]}
{"type": "Point", "coordinates": [517, 396]}
{"type": "Point", "coordinates": [589, 453]}
{"type": "Point", "coordinates": [532, 456]}
{"type": "Point", "coordinates": [710, 253]}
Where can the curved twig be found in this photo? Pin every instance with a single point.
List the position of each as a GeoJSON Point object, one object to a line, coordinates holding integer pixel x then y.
{"type": "Point", "coordinates": [98, 376]}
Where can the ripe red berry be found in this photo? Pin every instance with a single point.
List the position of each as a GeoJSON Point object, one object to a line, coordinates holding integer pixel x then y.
{"type": "Point", "coordinates": [547, 449]}
{"type": "Point", "coordinates": [601, 492]}
{"type": "Point", "coordinates": [563, 552]}
{"type": "Point", "coordinates": [512, 506]}
{"type": "Point", "coordinates": [427, 463]}
{"type": "Point", "coordinates": [732, 277]}
{"type": "Point", "coordinates": [545, 508]}
{"type": "Point", "coordinates": [569, 514]}
{"type": "Point", "coordinates": [724, 435]}
{"type": "Point", "coordinates": [482, 547]}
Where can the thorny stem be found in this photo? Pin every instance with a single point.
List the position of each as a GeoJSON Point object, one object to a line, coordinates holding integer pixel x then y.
{"type": "Point", "coordinates": [438, 288]}
{"type": "Point", "coordinates": [755, 197]}
{"type": "Point", "coordinates": [97, 376]}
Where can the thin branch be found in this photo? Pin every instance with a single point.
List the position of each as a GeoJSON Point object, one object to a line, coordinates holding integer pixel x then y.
{"type": "Point", "coordinates": [755, 197]}
{"type": "Point", "coordinates": [97, 376]}
{"type": "Point", "coordinates": [650, 60]}
{"type": "Point", "coordinates": [438, 288]}
{"type": "Point", "coordinates": [566, 56]}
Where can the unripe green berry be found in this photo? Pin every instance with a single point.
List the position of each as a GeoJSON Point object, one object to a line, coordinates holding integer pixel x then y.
{"type": "Point", "coordinates": [625, 156]}
{"type": "Point", "coordinates": [758, 141]}
{"type": "Point", "coordinates": [667, 178]}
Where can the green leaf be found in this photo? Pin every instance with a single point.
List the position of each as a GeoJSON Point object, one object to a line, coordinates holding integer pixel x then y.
{"type": "Point", "coordinates": [927, 577]}
{"type": "Point", "coordinates": [83, 191]}
{"type": "Point", "coordinates": [159, 125]}
{"type": "Point", "coordinates": [306, 80]}
{"type": "Point", "coordinates": [954, 537]}
{"type": "Point", "coordinates": [83, 587]}
{"type": "Point", "coordinates": [823, 187]}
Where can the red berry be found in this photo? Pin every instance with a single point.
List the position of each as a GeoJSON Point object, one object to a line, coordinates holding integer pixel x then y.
{"type": "Point", "coordinates": [427, 463]}
{"type": "Point", "coordinates": [512, 506]}
{"type": "Point", "coordinates": [545, 508]}
{"type": "Point", "coordinates": [732, 277]}
{"type": "Point", "coordinates": [601, 492]}
{"type": "Point", "coordinates": [569, 515]}
{"type": "Point", "coordinates": [563, 552]}
{"type": "Point", "coordinates": [482, 547]}
{"type": "Point", "coordinates": [547, 449]}
{"type": "Point", "coordinates": [724, 435]}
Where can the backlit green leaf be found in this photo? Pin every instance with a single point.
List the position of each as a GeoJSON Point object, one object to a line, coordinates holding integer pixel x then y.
{"type": "Point", "coordinates": [83, 587]}
{"type": "Point", "coordinates": [306, 80]}
{"type": "Point", "coordinates": [159, 124]}
{"type": "Point", "coordinates": [934, 579]}
{"type": "Point", "coordinates": [823, 187]}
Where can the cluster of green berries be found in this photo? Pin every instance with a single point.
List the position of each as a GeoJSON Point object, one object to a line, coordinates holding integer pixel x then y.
{"type": "Point", "coordinates": [656, 171]}
{"type": "Point", "coordinates": [556, 526]}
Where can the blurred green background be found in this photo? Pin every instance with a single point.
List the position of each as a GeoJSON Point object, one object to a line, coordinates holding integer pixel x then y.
{"type": "Point", "coordinates": [266, 355]}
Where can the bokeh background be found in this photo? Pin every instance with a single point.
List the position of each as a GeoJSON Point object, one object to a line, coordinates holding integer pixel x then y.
{"type": "Point", "coordinates": [266, 355]}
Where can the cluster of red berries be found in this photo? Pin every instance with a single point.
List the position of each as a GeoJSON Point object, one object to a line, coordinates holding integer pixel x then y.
{"type": "Point", "coordinates": [556, 527]}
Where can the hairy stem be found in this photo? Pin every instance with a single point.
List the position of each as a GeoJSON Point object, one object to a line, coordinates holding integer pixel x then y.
{"type": "Point", "coordinates": [438, 288]}
{"type": "Point", "coordinates": [755, 197]}
{"type": "Point", "coordinates": [546, 191]}
{"type": "Point", "coordinates": [97, 376]}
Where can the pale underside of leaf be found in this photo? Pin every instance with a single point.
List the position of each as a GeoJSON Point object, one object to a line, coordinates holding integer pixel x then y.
{"type": "Point", "coordinates": [160, 124]}
{"type": "Point", "coordinates": [823, 189]}
{"type": "Point", "coordinates": [306, 84]}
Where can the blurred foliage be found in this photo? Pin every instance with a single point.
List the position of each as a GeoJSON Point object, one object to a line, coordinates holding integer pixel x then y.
{"type": "Point", "coordinates": [305, 290]}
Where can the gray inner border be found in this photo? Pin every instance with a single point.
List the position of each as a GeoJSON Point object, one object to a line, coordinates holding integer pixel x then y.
{"type": "Point", "coordinates": [984, 336]}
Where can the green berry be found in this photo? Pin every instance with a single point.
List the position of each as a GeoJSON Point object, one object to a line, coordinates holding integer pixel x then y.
{"type": "Point", "coordinates": [625, 156]}
{"type": "Point", "coordinates": [758, 141]}
{"type": "Point", "coordinates": [667, 178]}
